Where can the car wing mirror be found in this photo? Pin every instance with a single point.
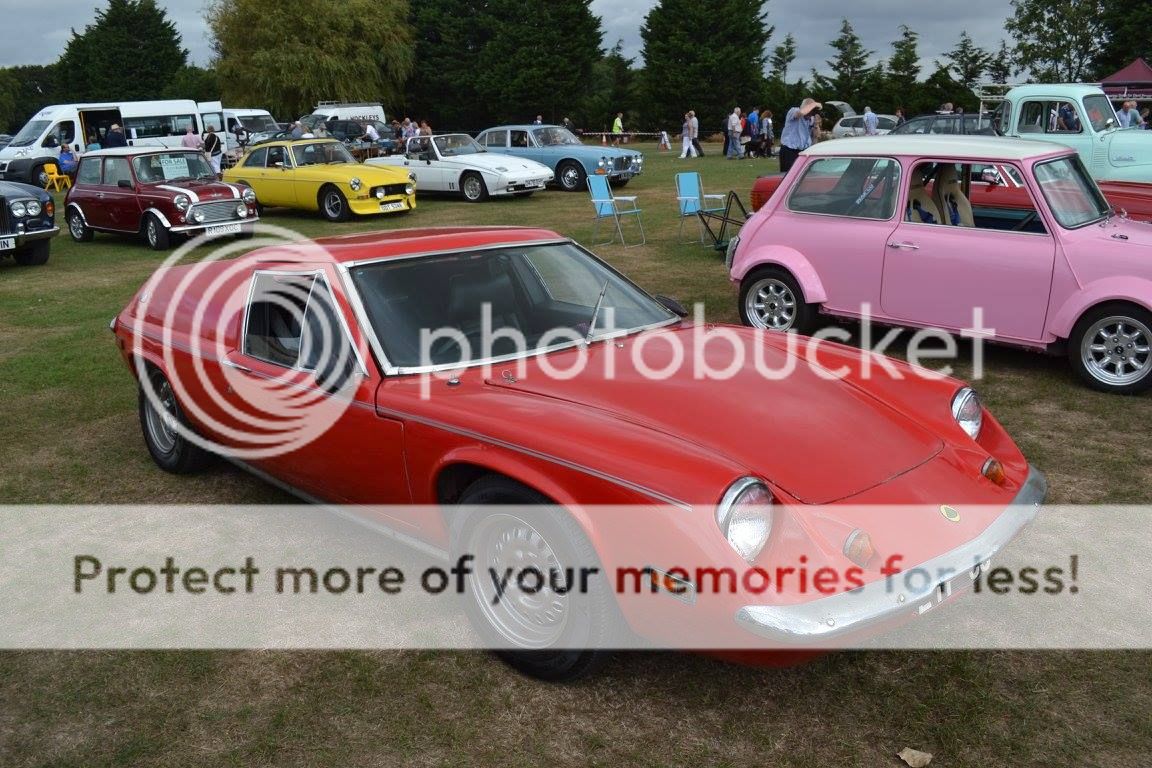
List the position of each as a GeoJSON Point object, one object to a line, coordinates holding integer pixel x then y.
{"type": "Point", "coordinates": [990, 176]}
{"type": "Point", "coordinates": [124, 184]}
{"type": "Point", "coordinates": [672, 305]}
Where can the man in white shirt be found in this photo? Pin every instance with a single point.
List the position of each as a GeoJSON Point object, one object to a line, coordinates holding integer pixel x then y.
{"type": "Point", "coordinates": [871, 122]}
{"type": "Point", "coordinates": [734, 148]}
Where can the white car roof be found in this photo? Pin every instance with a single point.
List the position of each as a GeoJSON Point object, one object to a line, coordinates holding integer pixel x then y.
{"type": "Point", "coordinates": [133, 151]}
{"type": "Point", "coordinates": [961, 147]}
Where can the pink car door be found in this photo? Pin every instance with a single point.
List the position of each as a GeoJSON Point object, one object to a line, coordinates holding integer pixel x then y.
{"type": "Point", "coordinates": [937, 273]}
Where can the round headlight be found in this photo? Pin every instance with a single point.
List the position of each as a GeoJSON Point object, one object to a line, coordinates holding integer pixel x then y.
{"type": "Point", "coordinates": [745, 516]}
{"type": "Point", "coordinates": [198, 216]}
{"type": "Point", "coordinates": [18, 209]}
{"type": "Point", "coordinates": [354, 182]}
{"type": "Point", "coordinates": [968, 412]}
{"type": "Point", "coordinates": [182, 202]}
{"type": "Point", "coordinates": [242, 211]}
{"type": "Point", "coordinates": [249, 195]}
{"type": "Point", "coordinates": [32, 207]}
{"type": "Point", "coordinates": [409, 190]}
{"type": "Point", "coordinates": [639, 159]}
{"type": "Point", "coordinates": [602, 162]}
{"type": "Point", "coordinates": [380, 193]}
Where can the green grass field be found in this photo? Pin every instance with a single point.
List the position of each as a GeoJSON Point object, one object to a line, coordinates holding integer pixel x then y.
{"type": "Point", "coordinates": [69, 434]}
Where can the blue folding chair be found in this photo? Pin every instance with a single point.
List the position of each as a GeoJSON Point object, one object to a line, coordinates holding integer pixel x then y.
{"type": "Point", "coordinates": [607, 206]}
{"type": "Point", "coordinates": [690, 195]}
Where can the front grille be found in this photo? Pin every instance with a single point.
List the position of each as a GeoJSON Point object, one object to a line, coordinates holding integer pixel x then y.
{"type": "Point", "coordinates": [392, 189]}
{"type": "Point", "coordinates": [219, 210]}
{"type": "Point", "coordinates": [622, 163]}
{"type": "Point", "coordinates": [5, 227]}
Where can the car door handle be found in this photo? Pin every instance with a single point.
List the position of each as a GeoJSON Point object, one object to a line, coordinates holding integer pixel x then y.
{"type": "Point", "coordinates": [909, 246]}
{"type": "Point", "coordinates": [236, 365]}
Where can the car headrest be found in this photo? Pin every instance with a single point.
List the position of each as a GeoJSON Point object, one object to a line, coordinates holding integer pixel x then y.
{"type": "Point", "coordinates": [468, 292]}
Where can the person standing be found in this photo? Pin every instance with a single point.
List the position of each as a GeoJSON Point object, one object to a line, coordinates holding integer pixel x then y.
{"type": "Point", "coordinates": [871, 122]}
{"type": "Point", "coordinates": [754, 132]}
{"type": "Point", "coordinates": [735, 151]}
{"type": "Point", "coordinates": [694, 128]}
{"type": "Point", "coordinates": [297, 130]}
{"type": "Point", "coordinates": [797, 133]}
{"type": "Point", "coordinates": [539, 120]}
{"type": "Point", "coordinates": [190, 139]}
{"type": "Point", "coordinates": [767, 130]}
{"type": "Point", "coordinates": [617, 129]}
{"type": "Point", "coordinates": [1128, 116]}
{"type": "Point", "coordinates": [686, 138]}
{"type": "Point", "coordinates": [213, 149]}
{"type": "Point", "coordinates": [900, 117]}
{"type": "Point", "coordinates": [114, 137]}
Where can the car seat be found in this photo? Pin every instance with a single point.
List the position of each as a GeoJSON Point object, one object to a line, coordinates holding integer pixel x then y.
{"type": "Point", "coordinates": [950, 198]}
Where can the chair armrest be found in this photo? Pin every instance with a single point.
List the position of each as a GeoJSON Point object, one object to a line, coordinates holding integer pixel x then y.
{"type": "Point", "coordinates": [714, 197]}
{"type": "Point", "coordinates": [627, 199]}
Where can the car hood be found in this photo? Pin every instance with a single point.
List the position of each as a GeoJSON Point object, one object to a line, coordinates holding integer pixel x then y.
{"type": "Point", "coordinates": [491, 161]}
{"type": "Point", "coordinates": [818, 439]}
{"type": "Point", "coordinates": [200, 190]}
{"type": "Point", "coordinates": [16, 189]}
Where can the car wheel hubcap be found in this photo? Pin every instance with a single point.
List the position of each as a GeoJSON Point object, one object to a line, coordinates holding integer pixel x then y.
{"type": "Point", "coordinates": [76, 226]}
{"type": "Point", "coordinates": [472, 188]}
{"type": "Point", "coordinates": [153, 235]}
{"type": "Point", "coordinates": [531, 614]}
{"type": "Point", "coordinates": [333, 205]}
{"type": "Point", "coordinates": [162, 424]}
{"type": "Point", "coordinates": [1115, 351]}
{"type": "Point", "coordinates": [772, 305]}
{"type": "Point", "coordinates": [570, 177]}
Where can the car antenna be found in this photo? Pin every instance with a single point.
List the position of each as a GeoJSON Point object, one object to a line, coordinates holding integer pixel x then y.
{"type": "Point", "coordinates": [596, 313]}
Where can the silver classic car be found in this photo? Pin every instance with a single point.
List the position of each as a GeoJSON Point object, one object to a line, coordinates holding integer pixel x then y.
{"type": "Point", "coordinates": [560, 149]}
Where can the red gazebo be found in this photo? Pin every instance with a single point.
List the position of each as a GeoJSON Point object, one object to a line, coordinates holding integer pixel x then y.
{"type": "Point", "coordinates": [1132, 82]}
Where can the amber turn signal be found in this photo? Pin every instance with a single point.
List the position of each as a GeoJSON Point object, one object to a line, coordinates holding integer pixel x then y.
{"type": "Point", "coordinates": [858, 548]}
{"type": "Point", "coordinates": [994, 471]}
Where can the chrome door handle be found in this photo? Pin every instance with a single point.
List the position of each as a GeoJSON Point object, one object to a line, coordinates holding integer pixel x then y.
{"type": "Point", "coordinates": [237, 366]}
{"type": "Point", "coordinates": [909, 246]}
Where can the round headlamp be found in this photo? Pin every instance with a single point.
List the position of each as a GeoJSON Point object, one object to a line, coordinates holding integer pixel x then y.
{"type": "Point", "coordinates": [379, 193]}
{"type": "Point", "coordinates": [33, 208]}
{"type": "Point", "coordinates": [198, 216]}
{"type": "Point", "coordinates": [354, 182]}
{"type": "Point", "coordinates": [182, 202]}
{"type": "Point", "coordinates": [409, 190]}
{"type": "Point", "coordinates": [249, 195]}
{"type": "Point", "coordinates": [744, 516]}
{"type": "Point", "coordinates": [968, 412]}
{"type": "Point", "coordinates": [18, 209]}
{"type": "Point", "coordinates": [242, 211]}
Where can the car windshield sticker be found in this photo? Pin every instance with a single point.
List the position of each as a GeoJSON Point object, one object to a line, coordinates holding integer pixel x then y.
{"type": "Point", "coordinates": [174, 166]}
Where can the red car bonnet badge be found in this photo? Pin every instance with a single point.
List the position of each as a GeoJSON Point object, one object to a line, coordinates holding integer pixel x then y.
{"type": "Point", "coordinates": [950, 513]}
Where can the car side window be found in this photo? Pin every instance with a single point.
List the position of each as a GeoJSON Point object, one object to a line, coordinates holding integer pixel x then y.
{"type": "Point", "coordinates": [519, 138]}
{"type": "Point", "coordinates": [293, 321]}
{"type": "Point", "coordinates": [861, 187]}
{"type": "Point", "coordinates": [256, 158]}
{"type": "Point", "coordinates": [276, 156]}
{"type": "Point", "coordinates": [116, 170]}
{"type": "Point", "coordinates": [89, 171]}
{"type": "Point", "coordinates": [496, 139]}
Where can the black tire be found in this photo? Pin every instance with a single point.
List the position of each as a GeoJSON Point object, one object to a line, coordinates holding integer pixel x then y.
{"type": "Point", "coordinates": [171, 450]}
{"type": "Point", "coordinates": [1105, 348]}
{"type": "Point", "coordinates": [590, 618]}
{"type": "Point", "coordinates": [472, 187]}
{"type": "Point", "coordinates": [81, 232]}
{"type": "Point", "coordinates": [333, 204]}
{"type": "Point", "coordinates": [33, 255]}
{"type": "Point", "coordinates": [156, 234]}
{"type": "Point", "coordinates": [570, 176]}
{"type": "Point", "coordinates": [770, 298]}
{"type": "Point", "coordinates": [39, 177]}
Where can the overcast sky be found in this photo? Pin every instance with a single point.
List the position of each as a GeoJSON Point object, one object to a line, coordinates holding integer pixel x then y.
{"type": "Point", "coordinates": [36, 34]}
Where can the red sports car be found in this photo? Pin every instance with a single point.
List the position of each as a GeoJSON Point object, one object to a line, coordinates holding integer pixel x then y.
{"type": "Point", "coordinates": [454, 369]}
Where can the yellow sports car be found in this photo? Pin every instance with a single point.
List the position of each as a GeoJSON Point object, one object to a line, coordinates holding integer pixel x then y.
{"type": "Point", "coordinates": [320, 174]}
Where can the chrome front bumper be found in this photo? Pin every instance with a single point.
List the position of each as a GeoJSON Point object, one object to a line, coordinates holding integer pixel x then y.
{"type": "Point", "coordinates": [829, 618]}
{"type": "Point", "coordinates": [31, 236]}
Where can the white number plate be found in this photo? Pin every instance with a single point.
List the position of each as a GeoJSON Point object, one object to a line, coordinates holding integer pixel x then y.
{"type": "Point", "coordinates": [222, 229]}
{"type": "Point", "coordinates": [397, 206]}
{"type": "Point", "coordinates": [7, 243]}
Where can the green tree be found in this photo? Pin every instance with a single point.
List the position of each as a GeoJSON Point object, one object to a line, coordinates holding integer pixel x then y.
{"type": "Point", "coordinates": [850, 67]}
{"type": "Point", "coordinates": [285, 56]}
{"type": "Point", "coordinates": [1127, 28]}
{"type": "Point", "coordinates": [779, 93]}
{"type": "Point", "coordinates": [32, 88]}
{"type": "Point", "coordinates": [449, 36]}
{"type": "Point", "coordinates": [131, 51]}
{"type": "Point", "coordinates": [967, 61]}
{"type": "Point", "coordinates": [705, 55]}
{"type": "Point", "coordinates": [613, 84]}
{"type": "Point", "coordinates": [1057, 40]}
{"type": "Point", "coordinates": [8, 90]}
{"type": "Point", "coordinates": [538, 57]}
{"type": "Point", "coordinates": [196, 83]}
{"type": "Point", "coordinates": [1000, 68]}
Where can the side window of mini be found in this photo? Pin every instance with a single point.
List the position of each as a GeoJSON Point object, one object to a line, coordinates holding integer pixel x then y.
{"type": "Point", "coordinates": [89, 171]}
{"type": "Point", "coordinates": [256, 158]}
{"type": "Point", "coordinates": [861, 187]}
{"type": "Point", "coordinates": [293, 321]}
{"type": "Point", "coordinates": [116, 170]}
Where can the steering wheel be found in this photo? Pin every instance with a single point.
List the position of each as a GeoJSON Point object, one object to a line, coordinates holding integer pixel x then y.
{"type": "Point", "coordinates": [1031, 217]}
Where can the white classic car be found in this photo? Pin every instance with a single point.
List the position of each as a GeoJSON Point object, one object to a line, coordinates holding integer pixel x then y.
{"type": "Point", "coordinates": [456, 164]}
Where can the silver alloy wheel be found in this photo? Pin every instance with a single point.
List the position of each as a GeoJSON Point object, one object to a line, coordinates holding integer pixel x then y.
{"type": "Point", "coordinates": [570, 177]}
{"type": "Point", "coordinates": [473, 188]}
{"type": "Point", "coordinates": [526, 620]}
{"type": "Point", "coordinates": [771, 304]}
{"type": "Point", "coordinates": [1115, 350]}
{"type": "Point", "coordinates": [333, 204]}
{"type": "Point", "coordinates": [152, 231]}
{"type": "Point", "coordinates": [162, 425]}
{"type": "Point", "coordinates": [76, 226]}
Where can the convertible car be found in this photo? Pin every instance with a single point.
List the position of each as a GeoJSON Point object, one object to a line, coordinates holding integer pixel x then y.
{"type": "Point", "coordinates": [455, 164]}
{"type": "Point", "coordinates": [321, 175]}
{"type": "Point", "coordinates": [570, 159]}
{"type": "Point", "coordinates": [497, 385]}
{"type": "Point", "coordinates": [917, 230]}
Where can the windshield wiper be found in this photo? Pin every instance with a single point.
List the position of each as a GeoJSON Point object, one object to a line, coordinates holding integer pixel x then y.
{"type": "Point", "coordinates": [596, 313]}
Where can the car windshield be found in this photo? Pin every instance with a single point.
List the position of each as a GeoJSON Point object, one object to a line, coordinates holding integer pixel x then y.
{"type": "Point", "coordinates": [463, 308]}
{"type": "Point", "coordinates": [321, 153]}
{"type": "Point", "coordinates": [1074, 198]}
{"type": "Point", "coordinates": [457, 144]}
{"type": "Point", "coordinates": [171, 166]}
{"type": "Point", "coordinates": [554, 137]}
{"type": "Point", "coordinates": [1100, 111]}
{"type": "Point", "coordinates": [259, 123]}
{"type": "Point", "coordinates": [29, 133]}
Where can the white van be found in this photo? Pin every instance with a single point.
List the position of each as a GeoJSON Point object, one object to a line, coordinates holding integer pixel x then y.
{"type": "Point", "coordinates": [360, 111]}
{"type": "Point", "coordinates": [145, 123]}
{"type": "Point", "coordinates": [255, 121]}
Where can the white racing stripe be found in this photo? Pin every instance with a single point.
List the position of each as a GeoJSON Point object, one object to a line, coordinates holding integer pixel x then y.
{"type": "Point", "coordinates": [191, 195]}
